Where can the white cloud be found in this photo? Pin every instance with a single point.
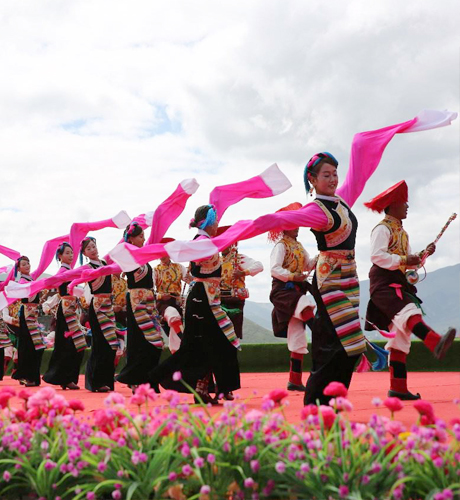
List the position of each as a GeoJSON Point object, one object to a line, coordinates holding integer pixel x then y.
{"type": "Point", "coordinates": [107, 105]}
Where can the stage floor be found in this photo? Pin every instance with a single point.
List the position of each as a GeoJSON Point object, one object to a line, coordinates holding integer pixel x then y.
{"type": "Point", "coordinates": [439, 388]}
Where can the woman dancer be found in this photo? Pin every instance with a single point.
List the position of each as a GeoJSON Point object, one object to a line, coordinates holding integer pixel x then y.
{"type": "Point", "coordinates": [69, 343]}
{"type": "Point", "coordinates": [30, 343]}
{"type": "Point", "coordinates": [144, 339]}
{"type": "Point", "coordinates": [209, 345]}
{"type": "Point", "coordinates": [100, 368]}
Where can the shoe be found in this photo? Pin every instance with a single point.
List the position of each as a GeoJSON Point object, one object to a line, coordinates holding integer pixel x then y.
{"type": "Point", "coordinates": [29, 383]}
{"type": "Point", "coordinates": [296, 387]}
{"type": "Point", "coordinates": [404, 396]}
{"type": "Point", "coordinates": [444, 343]}
{"type": "Point", "coordinates": [72, 386]}
{"type": "Point", "coordinates": [104, 388]}
{"type": "Point", "coordinates": [207, 399]}
{"type": "Point", "coordinates": [229, 396]}
{"type": "Point", "coordinates": [133, 387]}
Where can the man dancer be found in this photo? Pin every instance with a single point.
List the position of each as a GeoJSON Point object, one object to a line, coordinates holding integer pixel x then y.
{"type": "Point", "coordinates": [393, 302]}
{"type": "Point", "coordinates": [233, 292]}
{"type": "Point", "coordinates": [168, 278]}
{"type": "Point", "coordinates": [292, 308]}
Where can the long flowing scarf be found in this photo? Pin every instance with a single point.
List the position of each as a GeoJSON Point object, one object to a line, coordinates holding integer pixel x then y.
{"type": "Point", "coordinates": [69, 309]}
{"type": "Point", "coordinates": [106, 318]}
{"type": "Point", "coordinates": [366, 152]}
{"type": "Point", "coordinates": [31, 317]}
{"type": "Point", "coordinates": [146, 315]}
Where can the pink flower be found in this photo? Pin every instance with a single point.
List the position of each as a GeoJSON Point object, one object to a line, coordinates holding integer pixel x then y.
{"type": "Point", "coordinates": [177, 376]}
{"type": "Point", "coordinates": [328, 415]}
{"type": "Point", "coordinates": [90, 495]}
{"type": "Point", "coordinates": [137, 400]}
{"type": "Point", "coordinates": [308, 410]}
{"type": "Point", "coordinates": [24, 394]}
{"type": "Point", "coordinates": [341, 404]}
{"type": "Point", "coordinates": [211, 458]}
{"type": "Point", "coordinates": [76, 405]}
{"type": "Point", "coordinates": [343, 491]}
{"type": "Point", "coordinates": [4, 399]}
{"type": "Point", "coordinates": [336, 389]}
{"type": "Point", "coordinates": [114, 398]}
{"type": "Point", "coordinates": [277, 395]}
{"type": "Point", "coordinates": [116, 495]}
{"type": "Point", "coordinates": [187, 470]}
{"type": "Point", "coordinates": [6, 476]}
{"type": "Point", "coordinates": [280, 467]}
{"type": "Point", "coordinates": [146, 391]}
{"type": "Point", "coordinates": [393, 404]}
{"type": "Point", "coordinates": [253, 415]}
{"type": "Point", "coordinates": [205, 489]}
{"type": "Point", "coordinates": [169, 395]}
{"type": "Point", "coordinates": [424, 407]}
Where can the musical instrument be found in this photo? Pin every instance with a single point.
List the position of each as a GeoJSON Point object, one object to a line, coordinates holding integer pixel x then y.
{"type": "Point", "coordinates": [412, 276]}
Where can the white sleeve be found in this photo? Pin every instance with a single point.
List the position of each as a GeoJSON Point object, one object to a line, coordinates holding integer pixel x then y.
{"type": "Point", "coordinates": [7, 318]}
{"type": "Point", "coordinates": [380, 239]}
{"type": "Point", "coordinates": [250, 266]}
{"type": "Point", "coordinates": [276, 263]}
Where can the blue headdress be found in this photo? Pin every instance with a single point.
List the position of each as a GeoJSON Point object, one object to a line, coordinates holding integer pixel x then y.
{"type": "Point", "coordinates": [211, 218]}
{"type": "Point", "coordinates": [313, 161]}
{"type": "Point", "coordinates": [129, 232]}
{"type": "Point", "coordinates": [60, 249]}
{"type": "Point", "coordinates": [88, 238]}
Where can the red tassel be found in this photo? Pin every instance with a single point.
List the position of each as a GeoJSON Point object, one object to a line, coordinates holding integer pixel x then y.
{"type": "Point", "coordinates": [364, 365]}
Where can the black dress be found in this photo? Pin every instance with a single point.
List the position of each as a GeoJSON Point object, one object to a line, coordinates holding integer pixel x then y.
{"type": "Point", "coordinates": [204, 348]}
{"type": "Point", "coordinates": [141, 355]}
{"type": "Point", "coordinates": [100, 367]}
{"type": "Point", "coordinates": [330, 361]}
{"type": "Point", "coordinates": [65, 361]}
{"type": "Point", "coordinates": [29, 357]}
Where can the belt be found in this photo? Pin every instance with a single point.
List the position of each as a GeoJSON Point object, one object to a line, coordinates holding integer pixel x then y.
{"type": "Point", "coordinates": [339, 254]}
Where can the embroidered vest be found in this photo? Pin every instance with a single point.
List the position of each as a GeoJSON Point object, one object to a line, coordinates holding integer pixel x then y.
{"type": "Point", "coordinates": [168, 279]}
{"type": "Point", "coordinates": [103, 284]}
{"type": "Point", "coordinates": [142, 277]}
{"type": "Point", "coordinates": [230, 261]}
{"type": "Point", "coordinates": [399, 240]}
{"type": "Point", "coordinates": [294, 258]}
{"type": "Point", "coordinates": [340, 233]}
{"type": "Point", "coordinates": [207, 268]}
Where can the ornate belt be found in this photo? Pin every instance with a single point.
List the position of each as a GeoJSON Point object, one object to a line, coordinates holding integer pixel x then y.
{"type": "Point", "coordinates": [338, 254]}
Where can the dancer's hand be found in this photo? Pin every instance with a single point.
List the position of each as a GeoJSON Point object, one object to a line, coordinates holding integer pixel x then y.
{"type": "Point", "coordinates": [430, 249]}
{"type": "Point", "coordinates": [299, 277]}
{"type": "Point", "coordinates": [237, 273]}
{"type": "Point", "coordinates": [413, 260]}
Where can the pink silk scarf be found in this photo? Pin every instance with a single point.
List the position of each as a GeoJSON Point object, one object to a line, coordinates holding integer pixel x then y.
{"type": "Point", "coordinates": [366, 152]}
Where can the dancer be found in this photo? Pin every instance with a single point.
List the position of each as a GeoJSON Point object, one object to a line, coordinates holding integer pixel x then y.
{"type": "Point", "coordinates": [100, 368]}
{"type": "Point", "coordinates": [235, 267]}
{"type": "Point", "coordinates": [30, 344]}
{"type": "Point", "coordinates": [144, 340]}
{"type": "Point", "coordinates": [209, 346]}
{"type": "Point", "coordinates": [393, 303]}
{"type": "Point", "coordinates": [69, 340]}
{"type": "Point", "coordinates": [5, 348]}
{"type": "Point", "coordinates": [292, 308]}
{"type": "Point", "coordinates": [169, 278]}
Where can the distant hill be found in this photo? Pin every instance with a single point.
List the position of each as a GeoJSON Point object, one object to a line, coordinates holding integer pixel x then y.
{"type": "Point", "coordinates": [439, 291]}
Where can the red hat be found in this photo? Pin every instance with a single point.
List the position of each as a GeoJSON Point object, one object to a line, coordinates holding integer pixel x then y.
{"type": "Point", "coordinates": [395, 194]}
{"type": "Point", "coordinates": [167, 240]}
{"type": "Point", "coordinates": [275, 235]}
{"type": "Point", "coordinates": [222, 229]}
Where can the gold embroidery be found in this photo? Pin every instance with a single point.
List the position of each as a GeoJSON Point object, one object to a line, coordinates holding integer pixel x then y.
{"type": "Point", "coordinates": [168, 279]}
{"type": "Point", "coordinates": [294, 258]}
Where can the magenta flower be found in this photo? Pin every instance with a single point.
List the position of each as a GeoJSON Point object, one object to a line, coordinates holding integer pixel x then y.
{"type": "Point", "coordinates": [205, 489]}
{"type": "Point", "coordinates": [393, 404]}
{"type": "Point", "coordinates": [343, 491]}
{"type": "Point", "coordinates": [90, 495]}
{"type": "Point", "coordinates": [277, 395]}
{"type": "Point", "coordinates": [101, 466]}
{"type": "Point", "coordinates": [211, 458]}
{"type": "Point", "coordinates": [199, 462]}
{"type": "Point", "coordinates": [49, 465]}
{"type": "Point", "coordinates": [255, 465]}
{"type": "Point", "coordinates": [116, 495]}
{"type": "Point", "coordinates": [336, 389]}
{"type": "Point", "coordinates": [114, 398]}
{"type": "Point", "coordinates": [172, 476]}
{"type": "Point", "coordinates": [76, 405]}
{"type": "Point", "coordinates": [187, 470]}
{"type": "Point", "coordinates": [6, 476]}
{"type": "Point", "coordinates": [249, 482]}
{"type": "Point", "coordinates": [177, 376]}
{"type": "Point", "coordinates": [280, 467]}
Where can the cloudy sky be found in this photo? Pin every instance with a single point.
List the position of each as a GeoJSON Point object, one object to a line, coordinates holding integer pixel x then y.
{"type": "Point", "coordinates": [108, 105]}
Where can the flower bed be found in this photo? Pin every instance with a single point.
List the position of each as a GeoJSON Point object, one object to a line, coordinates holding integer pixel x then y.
{"type": "Point", "coordinates": [181, 452]}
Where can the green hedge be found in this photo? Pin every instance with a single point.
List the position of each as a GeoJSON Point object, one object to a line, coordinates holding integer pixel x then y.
{"type": "Point", "coordinates": [275, 358]}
